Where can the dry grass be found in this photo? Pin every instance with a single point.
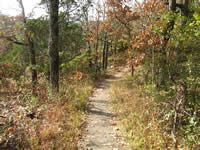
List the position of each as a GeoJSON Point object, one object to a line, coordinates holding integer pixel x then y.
{"type": "Point", "coordinates": [138, 114]}
{"type": "Point", "coordinates": [145, 116]}
{"type": "Point", "coordinates": [56, 122]}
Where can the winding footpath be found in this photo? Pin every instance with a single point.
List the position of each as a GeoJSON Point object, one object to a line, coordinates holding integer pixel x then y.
{"type": "Point", "coordinates": [101, 132]}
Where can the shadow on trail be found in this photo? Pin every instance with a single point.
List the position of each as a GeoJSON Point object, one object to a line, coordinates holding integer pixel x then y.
{"type": "Point", "coordinates": [100, 113]}
{"type": "Point", "coordinates": [100, 133]}
{"type": "Point", "coordinates": [101, 101]}
{"type": "Point", "coordinates": [105, 84]}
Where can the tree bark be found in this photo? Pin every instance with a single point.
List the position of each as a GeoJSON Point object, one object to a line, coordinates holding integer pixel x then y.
{"type": "Point", "coordinates": [104, 51]}
{"type": "Point", "coordinates": [172, 5]}
{"type": "Point", "coordinates": [96, 56]}
{"type": "Point", "coordinates": [96, 47]}
{"type": "Point", "coordinates": [53, 46]}
{"type": "Point", "coordinates": [89, 55]}
{"type": "Point", "coordinates": [106, 55]}
{"type": "Point", "coordinates": [115, 47]}
{"type": "Point", "coordinates": [33, 63]}
{"type": "Point", "coordinates": [111, 47]}
{"type": "Point", "coordinates": [170, 27]}
{"type": "Point", "coordinates": [132, 70]}
{"type": "Point", "coordinates": [186, 7]}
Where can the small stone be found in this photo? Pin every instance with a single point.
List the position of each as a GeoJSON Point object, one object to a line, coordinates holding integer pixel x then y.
{"type": "Point", "coordinates": [116, 129]}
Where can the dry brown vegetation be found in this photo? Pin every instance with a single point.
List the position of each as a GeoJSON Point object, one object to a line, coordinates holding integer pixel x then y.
{"type": "Point", "coordinates": [140, 115]}
{"type": "Point", "coordinates": [31, 119]}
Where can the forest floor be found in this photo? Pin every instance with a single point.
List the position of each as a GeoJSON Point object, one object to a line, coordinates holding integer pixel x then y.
{"type": "Point", "coordinates": [101, 131]}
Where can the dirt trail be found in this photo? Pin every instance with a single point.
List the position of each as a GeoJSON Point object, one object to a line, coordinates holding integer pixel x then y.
{"type": "Point", "coordinates": [101, 131]}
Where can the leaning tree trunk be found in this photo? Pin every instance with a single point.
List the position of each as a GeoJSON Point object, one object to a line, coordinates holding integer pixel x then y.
{"type": "Point", "coordinates": [53, 47]}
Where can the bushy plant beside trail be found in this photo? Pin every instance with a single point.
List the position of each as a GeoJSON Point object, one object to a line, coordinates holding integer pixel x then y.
{"type": "Point", "coordinates": [146, 115]}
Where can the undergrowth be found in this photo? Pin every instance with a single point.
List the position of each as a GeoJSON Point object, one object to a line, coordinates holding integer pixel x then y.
{"type": "Point", "coordinates": [141, 115]}
{"type": "Point", "coordinates": [34, 120]}
{"type": "Point", "coordinates": [137, 114]}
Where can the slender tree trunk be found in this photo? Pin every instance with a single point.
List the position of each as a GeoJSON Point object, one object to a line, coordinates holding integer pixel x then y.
{"type": "Point", "coordinates": [115, 47]}
{"type": "Point", "coordinates": [172, 5]}
{"type": "Point", "coordinates": [33, 63]}
{"type": "Point", "coordinates": [96, 56]}
{"type": "Point", "coordinates": [163, 61]}
{"type": "Point", "coordinates": [132, 70]}
{"type": "Point", "coordinates": [89, 55]}
{"type": "Point", "coordinates": [30, 46]}
{"type": "Point", "coordinates": [186, 7]}
{"type": "Point", "coordinates": [89, 44]}
{"type": "Point", "coordinates": [103, 63]}
{"type": "Point", "coordinates": [53, 47]}
{"type": "Point", "coordinates": [153, 61]}
{"type": "Point", "coordinates": [129, 47]}
{"type": "Point", "coordinates": [97, 46]}
{"type": "Point", "coordinates": [106, 55]}
{"type": "Point", "coordinates": [104, 51]}
{"type": "Point", "coordinates": [185, 11]}
{"type": "Point", "coordinates": [111, 47]}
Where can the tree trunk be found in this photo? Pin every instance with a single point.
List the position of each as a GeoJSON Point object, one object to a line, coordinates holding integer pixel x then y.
{"type": "Point", "coordinates": [104, 51]}
{"type": "Point", "coordinates": [53, 47]}
{"type": "Point", "coordinates": [30, 45]}
{"type": "Point", "coordinates": [106, 55]}
{"type": "Point", "coordinates": [89, 55]}
{"type": "Point", "coordinates": [96, 48]}
{"type": "Point", "coordinates": [172, 5]}
{"type": "Point", "coordinates": [132, 70]}
{"type": "Point", "coordinates": [129, 48]}
{"type": "Point", "coordinates": [115, 47]}
{"type": "Point", "coordinates": [103, 63]}
{"type": "Point", "coordinates": [111, 47]}
{"type": "Point", "coordinates": [185, 10]}
{"type": "Point", "coordinates": [101, 56]}
{"type": "Point", "coordinates": [96, 56]}
{"type": "Point", "coordinates": [163, 61]}
{"type": "Point", "coordinates": [153, 66]}
{"type": "Point", "coordinates": [33, 63]}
